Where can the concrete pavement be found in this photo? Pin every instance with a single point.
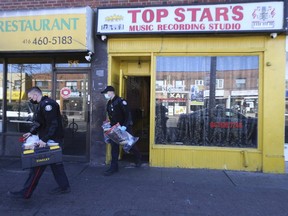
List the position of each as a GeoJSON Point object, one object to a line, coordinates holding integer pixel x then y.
{"type": "Point", "coordinates": [147, 191]}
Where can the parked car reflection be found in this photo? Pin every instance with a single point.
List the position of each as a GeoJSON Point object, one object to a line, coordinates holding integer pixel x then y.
{"type": "Point", "coordinates": [217, 127]}
{"type": "Point", "coordinates": [20, 117]}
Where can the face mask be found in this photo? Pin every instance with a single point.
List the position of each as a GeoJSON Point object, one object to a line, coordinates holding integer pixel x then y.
{"type": "Point", "coordinates": [33, 102]}
{"type": "Point", "coordinates": [107, 96]}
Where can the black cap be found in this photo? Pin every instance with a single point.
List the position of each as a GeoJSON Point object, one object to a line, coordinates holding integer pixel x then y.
{"type": "Point", "coordinates": [108, 88]}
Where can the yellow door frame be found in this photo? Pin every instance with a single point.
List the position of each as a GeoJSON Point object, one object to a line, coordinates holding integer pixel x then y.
{"type": "Point", "coordinates": [269, 155]}
{"type": "Point", "coordinates": [124, 64]}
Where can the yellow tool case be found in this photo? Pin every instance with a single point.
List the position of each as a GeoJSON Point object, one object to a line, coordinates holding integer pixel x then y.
{"type": "Point", "coordinates": [41, 156]}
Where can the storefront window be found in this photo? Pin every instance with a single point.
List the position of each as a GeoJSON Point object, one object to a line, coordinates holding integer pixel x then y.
{"type": "Point", "coordinates": [207, 100]}
{"type": "Point", "coordinates": [20, 78]}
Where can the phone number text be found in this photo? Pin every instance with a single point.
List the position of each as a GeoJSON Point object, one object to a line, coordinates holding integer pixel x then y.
{"type": "Point", "coordinates": [56, 40]}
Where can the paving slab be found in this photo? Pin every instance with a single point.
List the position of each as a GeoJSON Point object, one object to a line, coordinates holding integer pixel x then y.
{"type": "Point", "coordinates": [146, 191]}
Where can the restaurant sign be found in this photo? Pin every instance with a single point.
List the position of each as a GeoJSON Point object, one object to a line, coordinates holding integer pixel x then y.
{"type": "Point", "coordinates": [240, 17]}
{"type": "Point", "coordinates": [50, 29]}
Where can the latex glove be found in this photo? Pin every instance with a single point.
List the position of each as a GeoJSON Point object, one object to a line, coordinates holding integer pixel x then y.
{"type": "Point", "coordinates": [26, 135]}
{"type": "Point", "coordinates": [123, 128]}
{"type": "Point", "coordinates": [41, 144]}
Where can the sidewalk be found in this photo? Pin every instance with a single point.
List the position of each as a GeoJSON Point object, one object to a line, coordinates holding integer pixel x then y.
{"type": "Point", "coordinates": [147, 191]}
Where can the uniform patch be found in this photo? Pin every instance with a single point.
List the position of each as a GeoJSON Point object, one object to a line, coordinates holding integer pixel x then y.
{"type": "Point", "coordinates": [48, 108]}
{"type": "Point", "coordinates": [124, 102]}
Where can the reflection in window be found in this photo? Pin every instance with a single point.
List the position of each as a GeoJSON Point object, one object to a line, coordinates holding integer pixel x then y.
{"type": "Point", "coordinates": [72, 85]}
{"type": "Point", "coordinates": [199, 82]}
{"type": "Point", "coordinates": [241, 83]}
{"type": "Point", "coordinates": [21, 77]}
{"type": "Point", "coordinates": [219, 83]}
{"type": "Point", "coordinates": [207, 101]}
{"type": "Point", "coordinates": [43, 84]}
{"type": "Point", "coordinates": [17, 84]}
{"type": "Point", "coordinates": [84, 85]}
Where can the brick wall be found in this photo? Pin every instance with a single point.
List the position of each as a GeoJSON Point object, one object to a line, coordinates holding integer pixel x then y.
{"type": "Point", "coordinates": [6, 5]}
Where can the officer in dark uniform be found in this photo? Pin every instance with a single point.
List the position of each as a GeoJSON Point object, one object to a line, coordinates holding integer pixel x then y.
{"type": "Point", "coordinates": [118, 111]}
{"type": "Point", "coordinates": [48, 126]}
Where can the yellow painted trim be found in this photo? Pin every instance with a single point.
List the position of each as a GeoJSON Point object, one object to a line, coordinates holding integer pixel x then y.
{"type": "Point", "coordinates": [187, 44]}
{"type": "Point", "coordinates": [269, 155]}
{"type": "Point", "coordinates": [274, 104]}
{"type": "Point", "coordinates": [210, 148]}
{"type": "Point", "coordinates": [152, 107]}
{"type": "Point", "coordinates": [203, 158]}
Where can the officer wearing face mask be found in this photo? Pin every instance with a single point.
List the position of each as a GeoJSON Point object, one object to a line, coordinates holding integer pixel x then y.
{"type": "Point", "coordinates": [118, 111]}
{"type": "Point", "coordinates": [48, 126]}
{"type": "Point", "coordinates": [47, 113]}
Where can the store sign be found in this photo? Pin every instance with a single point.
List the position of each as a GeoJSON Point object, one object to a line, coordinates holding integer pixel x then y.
{"type": "Point", "coordinates": [177, 95]}
{"type": "Point", "coordinates": [65, 92]}
{"type": "Point", "coordinates": [174, 97]}
{"type": "Point", "coordinates": [44, 30]}
{"type": "Point", "coordinates": [244, 92]}
{"type": "Point", "coordinates": [15, 95]}
{"type": "Point", "coordinates": [226, 125]}
{"type": "Point", "coordinates": [258, 16]}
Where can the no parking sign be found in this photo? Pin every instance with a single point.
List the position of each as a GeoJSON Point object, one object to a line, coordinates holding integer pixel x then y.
{"type": "Point", "coordinates": [65, 92]}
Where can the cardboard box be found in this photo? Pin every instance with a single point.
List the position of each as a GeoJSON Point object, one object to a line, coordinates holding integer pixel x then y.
{"type": "Point", "coordinates": [41, 156]}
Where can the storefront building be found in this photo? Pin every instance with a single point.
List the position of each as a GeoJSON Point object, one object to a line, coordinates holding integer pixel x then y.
{"type": "Point", "coordinates": [46, 48]}
{"type": "Point", "coordinates": [205, 83]}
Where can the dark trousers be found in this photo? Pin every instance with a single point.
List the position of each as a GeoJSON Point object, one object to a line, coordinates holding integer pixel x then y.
{"type": "Point", "coordinates": [115, 154]}
{"type": "Point", "coordinates": [36, 173]}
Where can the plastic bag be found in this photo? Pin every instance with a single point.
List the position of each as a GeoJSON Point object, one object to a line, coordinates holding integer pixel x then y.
{"type": "Point", "coordinates": [52, 143]}
{"type": "Point", "coordinates": [120, 137]}
{"type": "Point", "coordinates": [30, 142]}
{"type": "Point", "coordinates": [130, 142]}
{"type": "Point", "coordinates": [106, 125]}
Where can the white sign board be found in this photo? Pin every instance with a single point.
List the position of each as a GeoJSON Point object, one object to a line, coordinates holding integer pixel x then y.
{"type": "Point", "coordinates": [240, 17]}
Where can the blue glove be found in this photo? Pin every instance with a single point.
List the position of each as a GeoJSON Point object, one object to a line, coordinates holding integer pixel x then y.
{"type": "Point", "coordinates": [123, 128]}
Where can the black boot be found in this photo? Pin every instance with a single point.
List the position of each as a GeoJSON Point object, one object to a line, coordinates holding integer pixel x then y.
{"type": "Point", "coordinates": [110, 171]}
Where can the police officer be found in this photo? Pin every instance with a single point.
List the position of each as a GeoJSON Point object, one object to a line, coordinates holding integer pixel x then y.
{"type": "Point", "coordinates": [48, 126]}
{"type": "Point", "coordinates": [118, 112]}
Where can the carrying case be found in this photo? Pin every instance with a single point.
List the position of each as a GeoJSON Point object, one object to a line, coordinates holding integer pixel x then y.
{"type": "Point", "coordinates": [41, 156]}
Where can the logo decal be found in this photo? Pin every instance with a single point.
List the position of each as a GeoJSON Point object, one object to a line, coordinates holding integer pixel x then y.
{"type": "Point", "coordinates": [114, 17]}
{"type": "Point", "coordinates": [263, 17]}
{"type": "Point", "coordinates": [48, 108]}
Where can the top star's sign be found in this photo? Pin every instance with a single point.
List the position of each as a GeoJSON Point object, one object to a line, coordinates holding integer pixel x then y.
{"type": "Point", "coordinates": [240, 17]}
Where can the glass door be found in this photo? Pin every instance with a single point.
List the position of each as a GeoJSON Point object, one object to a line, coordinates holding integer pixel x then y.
{"type": "Point", "coordinates": [73, 97]}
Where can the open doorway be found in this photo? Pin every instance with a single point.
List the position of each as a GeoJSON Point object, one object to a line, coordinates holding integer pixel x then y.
{"type": "Point", "coordinates": [137, 93]}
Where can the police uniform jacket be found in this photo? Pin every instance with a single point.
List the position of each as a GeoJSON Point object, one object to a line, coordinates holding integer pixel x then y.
{"type": "Point", "coordinates": [118, 111]}
{"type": "Point", "coordinates": [48, 119]}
